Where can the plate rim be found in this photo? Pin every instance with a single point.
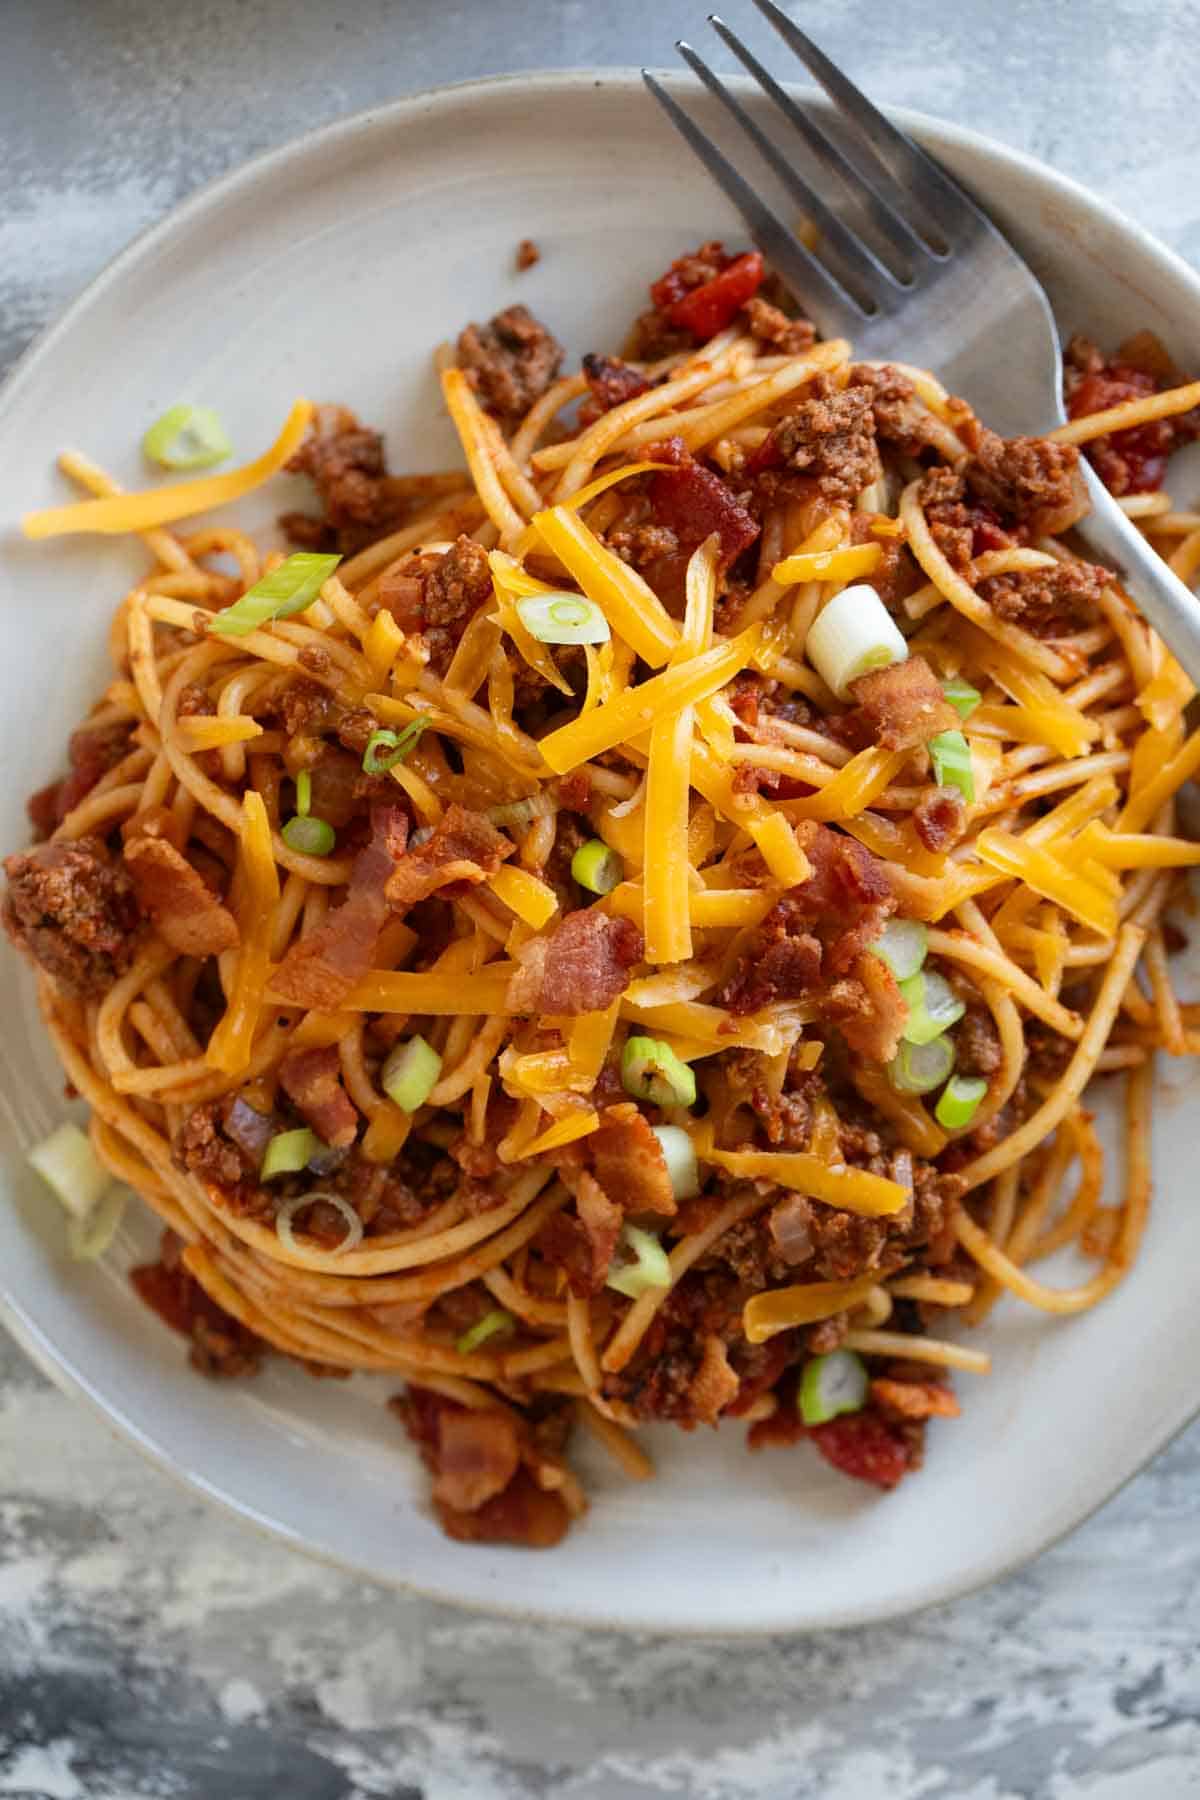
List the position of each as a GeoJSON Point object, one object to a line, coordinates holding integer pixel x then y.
{"type": "Point", "coordinates": [64, 1373]}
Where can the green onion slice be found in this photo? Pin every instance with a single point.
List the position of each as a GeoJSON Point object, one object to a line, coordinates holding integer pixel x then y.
{"type": "Point", "coordinates": [851, 636]}
{"type": "Point", "coordinates": [596, 867]}
{"type": "Point", "coordinates": [650, 1070]}
{"type": "Point", "coordinates": [90, 1237]}
{"type": "Point", "coordinates": [919, 1068]}
{"type": "Point", "coordinates": [304, 793]}
{"type": "Point", "coordinates": [961, 696]}
{"type": "Point", "coordinates": [67, 1163]}
{"type": "Point", "coordinates": [952, 762]}
{"type": "Point", "coordinates": [386, 748]}
{"type": "Point", "coordinates": [187, 437]}
{"type": "Point", "coordinates": [308, 836]}
{"type": "Point", "coordinates": [679, 1154]}
{"type": "Point", "coordinates": [903, 945]}
{"type": "Point", "coordinates": [289, 1151]}
{"type": "Point", "coordinates": [563, 619]}
{"type": "Point", "coordinates": [289, 589]}
{"type": "Point", "coordinates": [933, 1006]}
{"type": "Point", "coordinates": [832, 1384]}
{"type": "Point", "coordinates": [490, 1326]}
{"type": "Point", "coordinates": [410, 1073]}
{"type": "Point", "coordinates": [649, 1269]}
{"type": "Point", "coordinates": [960, 1101]}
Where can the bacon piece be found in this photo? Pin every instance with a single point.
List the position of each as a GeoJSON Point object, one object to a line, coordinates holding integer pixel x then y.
{"type": "Point", "coordinates": [222, 1347]}
{"type": "Point", "coordinates": [611, 382]}
{"type": "Point", "coordinates": [864, 1445]}
{"type": "Point", "coordinates": [320, 971]}
{"type": "Point", "coordinates": [629, 1162]}
{"type": "Point", "coordinates": [520, 1512]}
{"type": "Point", "coordinates": [915, 1399]}
{"type": "Point", "coordinates": [478, 1453]}
{"type": "Point", "coordinates": [523, 1514]}
{"type": "Point", "coordinates": [714, 1384]}
{"type": "Point", "coordinates": [187, 914]}
{"type": "Point", "coordinates": [940, 818]}
{"type": "Point", "coordinates": [310, 1079]}
{"type": "Point", "coordinates": [582, 1246]}
{"type": "Point", "coordinates": [694, 503]}
{"type": "Point", "coordinates": [464, 847]}
{"type": "Point", "coordinates": [869, 1009]}
{"type": "Point", "coordinates": [581, 966]}
{"type": "Point", "coordinates": [903, 705]}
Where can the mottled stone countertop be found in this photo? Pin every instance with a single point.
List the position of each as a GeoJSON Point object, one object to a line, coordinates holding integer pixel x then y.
{"type": "Point", "coordinates": [151, 1647]}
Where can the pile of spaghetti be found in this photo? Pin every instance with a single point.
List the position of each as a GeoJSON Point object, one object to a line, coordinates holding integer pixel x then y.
{"type": "Point", "coordinates": [623, 933]}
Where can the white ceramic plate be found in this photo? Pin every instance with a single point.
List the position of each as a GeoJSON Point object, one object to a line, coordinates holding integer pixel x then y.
{"type": "Point", "coordinates": [332, 268]}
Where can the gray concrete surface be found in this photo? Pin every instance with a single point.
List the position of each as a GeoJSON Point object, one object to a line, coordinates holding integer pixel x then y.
{"type": "Point", "coordinates": [150, 1648]}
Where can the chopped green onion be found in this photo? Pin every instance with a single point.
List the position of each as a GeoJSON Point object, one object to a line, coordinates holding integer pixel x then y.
{"type": "Point", "coordinates": [386, 748]}
{"type": "Point", "coordinates": [960, 1101]}
{"type": "Point", "coordinates": [563, 619]}
{"type": "Point", "coordinates": [853, 635]}
{"type": "Point", "coordinates": [596, 867]}
{"type": "Point", "coordinates": [919, 1068]}
{"type": "Point", "coordinates": [289, 1151]}
{"type": "Point", "coordinates": [649, 1269]}
{"type": "Point", "coordinates": [933, 1006]}
{"type": "Point", "coordinates": [679, 1154]}
{"type": "Point", "coordinates": [951, 755]}
{"type": "Point", "coordinates": [832, 1384]}
{"type": "Point", "coordinates": [650, 1070]}
{"type": "Point", "coordinates": [289, 589]}
{"type": "Point", "coordinates": [410, 1073]}
{"type": "Point", "coordinates": [68, 1164]}
{"type": "Point", "coordinates": [89, 1238]}
{"type": "Point", "coordinates": [903, 945]}
{"type": "Point", "coordinates": [304, 793]}
{"type": "Point", "coordinates": [309, 837]}
{"type": "Point", "coordinates": [490, 1326]}
{"type": "Point", "coordinates": [187, 437]}
{"type": "Point", "coordinates": [961, 696]}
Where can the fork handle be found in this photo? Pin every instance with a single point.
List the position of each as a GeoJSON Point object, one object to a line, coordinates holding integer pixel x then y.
{"type": "Point", "coordinates": [1159, 595]}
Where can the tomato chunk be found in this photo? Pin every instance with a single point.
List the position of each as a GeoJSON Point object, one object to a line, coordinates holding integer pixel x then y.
{"type": "Point", "coordinates": [707, 309]}
{"type": "Point", "coordinates": [863, 1445]}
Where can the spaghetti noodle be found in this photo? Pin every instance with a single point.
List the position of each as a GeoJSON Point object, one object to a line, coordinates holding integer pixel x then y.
{"type": "Point", "coordinates": [588, 954]}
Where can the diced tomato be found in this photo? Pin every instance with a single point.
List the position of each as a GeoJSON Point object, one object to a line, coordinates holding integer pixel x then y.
{"type": "Point", "coordinates": [863, 1445]}
{"type": "Point", "coordinates": [707, 309]}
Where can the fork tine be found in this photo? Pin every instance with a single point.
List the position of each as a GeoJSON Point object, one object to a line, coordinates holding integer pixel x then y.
{"type": "Point", "coordinates": [910, 174]}
{"type": "Point", "coordinates": [787, 255]}
{"type": "Point", "coordinates": [862, 268]}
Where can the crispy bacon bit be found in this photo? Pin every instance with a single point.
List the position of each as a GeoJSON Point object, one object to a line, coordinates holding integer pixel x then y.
{"type": "Point", "coordinates": [825, 447]}
{"type": "Point", "coordinates": [583, 1246]}
{"type": "Point", "coordinates": [869, 1009]}
{"type": "Point", "coordinates": [221, 1346]}
{"type": "Point", "coordinates": [519, 1512]}
{"type": "Point", "coordinates": [581, 966]}
{"type": "Point", "coordinates": [903, 705]}
{"type": "Point", "coordinates": [771, 325]}
{"type": "Point", "coordinates": [72, 909]}
{"type": "Point", "coordinates": [1048, 602]}
{"type": "Point", "coordinates": [527, 254]}
{"type": "Point", "coordinates": [511, 360]}
{"type": "Point", "coordinates": [438, 595]}
{"type": "Point", "coordinates": [864, 1445]}
{"type": "Point", "coordinates": [186, 913]}
{"type": "Point", "coordinates": [694, 503]}
{"type": "Point", "coordinates": [940, 818]}
{"type": "Point", "coordinates": [914, 1399]}
{"type": "Point", "coordinates": [611, 382]}
{"type": "Point", "coordinates": [320, 970]}
{"type": "Point", "coordinates": [629, 1162]}
{"type": "Point", "coordinates": [479, 1452]}
{"type": "Point", "coordinates": [524, 1514]}
{"type": "Point", "coordinates": [465, 846]}
{"type": "Point", "coordinates": [1032, 483]}
{"type": "Point", "coordinates": [311, 1079]}
{"type": "Point", "coordinates": [714, 1385]}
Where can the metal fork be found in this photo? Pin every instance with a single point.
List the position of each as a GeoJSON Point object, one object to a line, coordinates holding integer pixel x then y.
{"type": "Point", "coordinates": [943, 288]}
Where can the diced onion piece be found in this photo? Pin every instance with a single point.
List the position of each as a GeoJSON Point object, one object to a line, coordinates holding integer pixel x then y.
{"type": "Point", "coordinates": [961, 696]}
{"type": "Point", "coordinates": [304, 793]}
{"type": "Point", "coordinates": [903, 945]}
{"type": "Point", "coordinates": [650, 1268]}
{"type": "Point", "coordinates": [309, 836]}
{"type": "Point", "coordinates": [960, 1101]}
{"type": "Point", "coordinates": [288, 1152]}
{"type": "Point", "coordinates": [557, 618]}
{"type": "Point", "coordinates": [919, 1068]}
{"type": "Point", "coordinates": [386, 748]}
{"type": "Point", "coordinates": [187, 437]}
{"type": "Point", "coordinates": [596, 867]}
{"type": "Point", "coordinates": [410, 1073]}
{"type": "Point", "coordinates": [89, 1238]}
{"type": "Point", "coordinates": [650, 1070]}
{"type": "Point", "coordinates": [67, 1163]}
{"type": "Point", "coordinates": [679, 1154]}
{"type": "Point", "coordinates": [853, 635]}
{"type": "Point", "coordinates": [289, 589]}
{"type": "Point", "coordinates": [933, 1006]}
{"type": "Point", "coordinates": [952, 762]}
{"type": "Point", "coordinates": [832, 1384]}
{"type": "Point", "coordinates": [490, 1326]}
{"type": "Point", "coordinates": [283, 1221]}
